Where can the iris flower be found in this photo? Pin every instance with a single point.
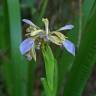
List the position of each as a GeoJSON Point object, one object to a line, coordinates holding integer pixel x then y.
{"type": "Point", "coordinates": [36, 37]}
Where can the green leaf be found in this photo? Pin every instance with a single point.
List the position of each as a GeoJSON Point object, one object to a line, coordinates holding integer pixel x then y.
{"type": "Point", "coordinates": [31, 78]}
{"type": "Point", "coordinates": [49, 65]}
{"type": "Point", "coordinates": [50, 84]}
{"type": "Point", "coordinates": [43, 8]}
{"type": "Point", "coordinates": [84, 61]}
{"type": "Point", "coordinates": [87, 9]}
{"type": "Point", "coordinates": [64, 59]}
{"type": "Point", "coordinates": [46, 87]}
{"type": "Point", "coordinates": [15, 68]}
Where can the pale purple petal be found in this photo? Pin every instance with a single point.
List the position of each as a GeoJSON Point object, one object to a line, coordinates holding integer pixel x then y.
{"type": "Point", "coordinates": [69, 46]}
{"type": "Point", "coordinates": [26, 45]}
{"type": "Point", "coordinates": [41, 35]}
{"type": "Point", "coordinates": [66, 27]}
{"type": "Point", "coordinates": [27, 21]}
{"type": "Point", "coordinates": [46, 38]}
{"type": "Point", "coordinates": [30, 23]}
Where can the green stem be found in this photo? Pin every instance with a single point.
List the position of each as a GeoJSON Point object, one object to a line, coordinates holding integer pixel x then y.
{"type": "Point", "coordinates": [50, 82]}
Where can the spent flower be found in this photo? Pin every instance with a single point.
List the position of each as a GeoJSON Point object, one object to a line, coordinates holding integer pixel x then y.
{"type": "Point", "coordinates": [36, 37]}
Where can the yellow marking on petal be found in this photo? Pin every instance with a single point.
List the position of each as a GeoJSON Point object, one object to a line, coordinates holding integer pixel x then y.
{"type": "Point", "coordinates": [33, 53]}
{"type": "Point", "coordinates": [56, 40]}
{"type": "Point", "coordinates": [46, 22]}
{"type": "Point", "coordinates": [30, 28]}
{"type": "Point", "coordinates": [60, 35]}
{"type": "Point", "coordinates": [33, 33]}
{"type": "Point", "coordinates": [27, 34]}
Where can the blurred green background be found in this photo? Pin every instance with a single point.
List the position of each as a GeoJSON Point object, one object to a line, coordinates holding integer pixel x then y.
{"type": "Point", "coordinates": [18, 77]}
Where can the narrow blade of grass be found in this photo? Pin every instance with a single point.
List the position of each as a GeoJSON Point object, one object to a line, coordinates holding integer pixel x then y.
{"type": "Point", "coordinates": [15, 69]}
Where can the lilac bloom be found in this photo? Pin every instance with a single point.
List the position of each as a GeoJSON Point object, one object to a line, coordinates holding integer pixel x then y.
{"type": "Point", "coordinates": [41, 34]}
{"type": "Point", "coordinates": [66, 27]}
{"type": "Point", "coordinates": [46, 38]}
{"type": "Point", "coordinates": [29, 22]}
{"type": "Point", "coordinates": [26, 45]}
{"type": "Point", "coordinates": [38, 36]}
{"type": "Point", "coordinates": [69, 46]}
